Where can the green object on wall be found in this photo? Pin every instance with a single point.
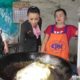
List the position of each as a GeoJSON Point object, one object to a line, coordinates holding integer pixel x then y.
{"type": "Point", "coordinates": [7, 3]}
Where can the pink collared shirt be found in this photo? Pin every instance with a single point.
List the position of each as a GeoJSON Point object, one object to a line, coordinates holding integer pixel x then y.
{"type": "Point", "coordinates": [36, 31]}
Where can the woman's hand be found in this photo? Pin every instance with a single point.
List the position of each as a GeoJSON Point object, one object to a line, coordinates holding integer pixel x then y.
{"type": "Point", "coordinates": [6, 49]}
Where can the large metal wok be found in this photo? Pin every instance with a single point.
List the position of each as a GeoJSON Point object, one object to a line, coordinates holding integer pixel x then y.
{"type": "Point", "coordinates": [10, 64]}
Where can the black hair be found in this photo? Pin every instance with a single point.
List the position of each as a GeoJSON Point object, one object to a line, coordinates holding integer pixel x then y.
{"type": "Point", "coordinates": [60, 9]}
{"type": "Point", "coordinates": [33, 9]}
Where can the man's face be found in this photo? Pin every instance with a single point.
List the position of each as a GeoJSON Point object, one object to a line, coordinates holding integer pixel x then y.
{"type": "Point", "coordinates": [60, 17]}
{"type": "Point", "coordinates": [33, 19]}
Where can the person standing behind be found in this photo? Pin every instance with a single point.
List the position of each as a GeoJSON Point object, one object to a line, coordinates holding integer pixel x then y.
{"type": "Point", "coordinates": [57, 36]}
{"type": "Point", "coordinates": [30, 31]}
{"type": "Point", "coordinates": [3, 44]}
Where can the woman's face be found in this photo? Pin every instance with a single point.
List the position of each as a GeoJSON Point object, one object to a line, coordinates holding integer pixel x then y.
{"type": "Point", "coordinates": [33, 18]}
{"type": "Point", "coordinates": [60, 17]}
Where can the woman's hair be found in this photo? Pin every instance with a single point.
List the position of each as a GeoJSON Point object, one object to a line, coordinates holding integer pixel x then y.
{"type": "Point", "coordinates": [60, 9]}
{"type": "Point", "coordinates": [33, 9]}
